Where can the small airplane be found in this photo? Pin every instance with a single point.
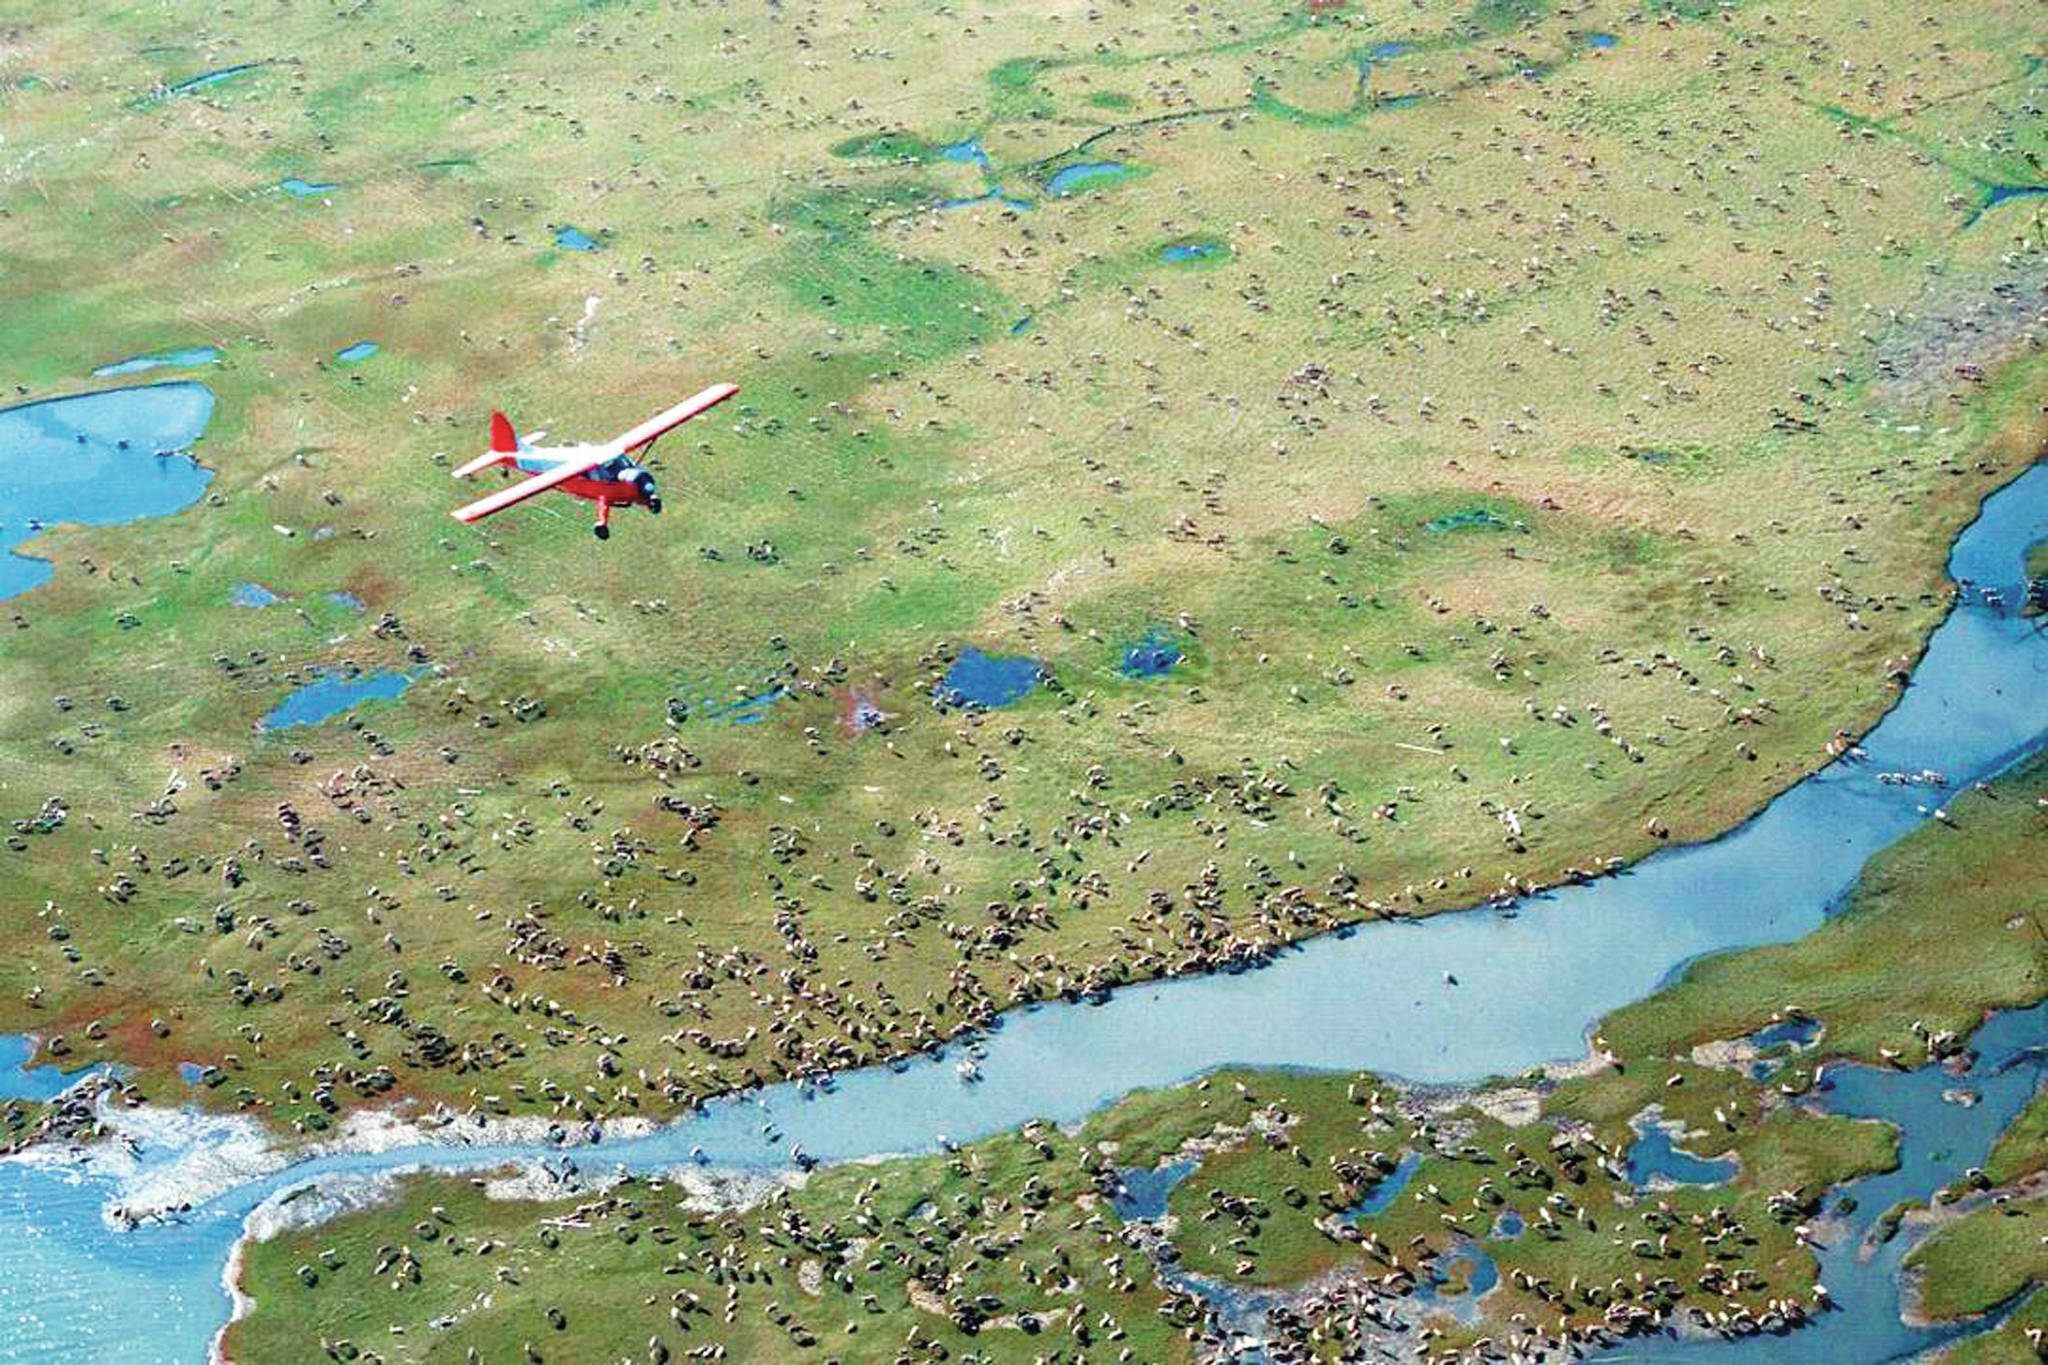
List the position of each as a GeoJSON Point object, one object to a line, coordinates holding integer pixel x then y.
{"type": "Point", "coordinates": [609, 475]}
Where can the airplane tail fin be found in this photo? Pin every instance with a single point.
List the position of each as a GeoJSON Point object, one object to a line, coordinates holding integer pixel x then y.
{"type": "Point", "coordinates": [502, 439]}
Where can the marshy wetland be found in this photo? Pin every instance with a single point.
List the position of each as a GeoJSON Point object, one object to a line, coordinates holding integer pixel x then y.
{"type": "Point", "coordinates": [1245, 531]}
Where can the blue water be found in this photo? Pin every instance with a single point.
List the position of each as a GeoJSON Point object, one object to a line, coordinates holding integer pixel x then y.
{"type": "Point", "coordinates": [970, 150]}
{"type": "Point", "coordinates": [341, 598]}
{"type": "Point", "coordinates": [993, 196]}
{"type": "Point", "coordinates": [1792, 1033]}
{"type": "Point", "coordinates": [190, 1072]}
{"type": "Point", "coordinates": [1152, 655]}
{"type": "Point", "coordinates": [1938, 1142]}
{"type": "Point", "coordinates": [1386, 52]}
{"type": "Point", "coordinates": [750, 710]}
{"type": "Point", "coordinates": [64, 459]}
{"type": "Point", "coordinates": [967, 150]}
{"type": "Point", "coordinates": [1372, 1000]}
{"type": "Point", "coordinates": [1994, 195]}
{"type": "Point", "coordinates": [571, 239]}
{"type": "Point", "coordinates": [1189, 251]}
{"type": "Point", "coordinates": [1509, 1225]}
{"type": "Point", "coordinates": [303, 189]}
{"type": "Point", "coordinates": [1382, 1196]}
{"type": "Point", "coordinates": [1481, 1275]}
{"type": "Point", "coordinates": [206, 78]}
{"type": "Point", "coordinates": [191, 355]}
{"type": "Point", "coordinates": [332, 694]}
{"type": "Point", "coordinates": [361, 350]}
{"type": "Point", "coordinates": [1019, 325]}
{"type": "Point", "coordinates": [18, 1081]}
{"type": "Point", "coordinates": [1999, 194]}
{"type": "Point", "coordinates": [1064, 181]}
{"type": "Point", "coordinates": [1145, 1190]}
{"type": "Point", "coordinates": [1653, 1155]}
{"type": "Point", "coordinates": [978, 679]}
{"type": "Point", "coordinates": [1459, 521]}
{"type": "Point", "coordinates": [1601, 40]}
{"type": "Point", "coordinates": [253, 595]}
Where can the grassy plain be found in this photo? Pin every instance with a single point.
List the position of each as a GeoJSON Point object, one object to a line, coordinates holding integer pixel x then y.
{"type": "Point", "coordinates": [2010, 1343]}
{"type": "Point", "coordinates": [1982, 1259]}
{"type": "Point", "coordinates": [1558, 431]}
{"type": "Point", "coordinates": [1553, 465]}
{"type": "Point", "coordinates": [1283, 1161]}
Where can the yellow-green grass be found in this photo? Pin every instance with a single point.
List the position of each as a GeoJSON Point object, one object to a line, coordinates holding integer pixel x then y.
{"type": "Point", "coordinates": [1574, 301]}
{"type": "Point", "coordinates": [1942, 926]}
{"type": "Point", "coordinates": [858, 1265]}
{"type": "Point", "coordinates": [1981, 1259]}
{"type": "Point", "coordinates": [2022, 1149]}
{"type": "Point", "coordinates": [1279, 1154]}
{"type": "Point", "coordinates": [2009, 1344]}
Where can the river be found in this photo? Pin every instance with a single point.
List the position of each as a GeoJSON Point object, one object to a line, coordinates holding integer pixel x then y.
{"type": "Point", "coordinates": [1527, 987]}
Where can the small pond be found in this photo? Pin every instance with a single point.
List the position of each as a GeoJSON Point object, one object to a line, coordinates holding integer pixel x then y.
{"type": "Point", "coordinates": [332, 693]}
{"type": "Point", "coordinates": [190, 356]}
{"type": "Point", "coordinates": [1655, 1154]}
{"type": "Point", "coordinates": [1143, 1191]}
{"type": "Point", "coordinates": [978, 679]}
{"type": "Point", "coordinates": [97, 459]}
{"type": "Point", "coordinates": [1152, 655]}
{"type": "Point", "coordinates": [1066, 180]}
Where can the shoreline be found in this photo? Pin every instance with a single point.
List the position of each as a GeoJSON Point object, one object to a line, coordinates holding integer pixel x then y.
{"type": "Point", "coordinates": [240, 1304]}
{"type": "Point", "coordinates": [1364, 913]}
{"type": "Point", "coordinates": [200, 1170]}
{"type": "Point", "coordinates": [713, 1189]}
{"type": "Point", "coordinates": [210, 1155]}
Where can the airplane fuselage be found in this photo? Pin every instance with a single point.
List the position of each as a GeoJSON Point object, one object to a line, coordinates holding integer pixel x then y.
{"type": "Point", "coordinates": [610, 475]}
{"type": "Point", "coordinates": [618, 481]}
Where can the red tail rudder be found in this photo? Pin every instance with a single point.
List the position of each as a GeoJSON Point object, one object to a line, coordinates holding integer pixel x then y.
{"type": "Point", "coordinates": [502, 439]}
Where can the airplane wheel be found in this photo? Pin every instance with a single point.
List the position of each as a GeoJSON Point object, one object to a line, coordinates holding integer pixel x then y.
{"type": "Point", "coordinates": [601, 532]}
{"type": "Point", "coordinates": [654, 506]}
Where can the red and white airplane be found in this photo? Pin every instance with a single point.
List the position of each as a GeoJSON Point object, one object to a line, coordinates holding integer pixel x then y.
{"type": "Point", "coordinates": [608, 475]}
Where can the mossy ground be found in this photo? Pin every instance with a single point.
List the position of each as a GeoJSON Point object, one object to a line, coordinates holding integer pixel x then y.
{"type": "Point", "coordinates": [2010, 1343]}
{"type": "Point", "coordinates": [1281, 1157]}
{"type": "Point", "coordinates": [1672, 313]}
{"type": "Point", "coordinates": [1422, 312]}
{"type": "Point", "coordinates": [1982, 1259]}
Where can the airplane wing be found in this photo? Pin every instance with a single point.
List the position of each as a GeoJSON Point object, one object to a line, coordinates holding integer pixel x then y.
{"type": "Point", "coordinates": [539, 483]}
{"type": "Point", "coordinates": [483, 461]}
{"type": "Point", "coordinates": [682, 412]}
